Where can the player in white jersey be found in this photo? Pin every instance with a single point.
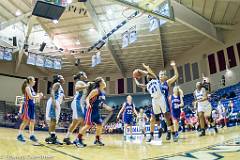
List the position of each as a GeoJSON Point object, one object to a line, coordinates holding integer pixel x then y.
{"type": "Point", "coordinates": [158, 100]}
{"type": "Point", "coordinates": [204, 107]}
{"type": "Point", "coordinates": [78, 104]}
{"type": "Point", "coordinates": [53, 108]}
{"type": "Point", "coordinates": [141, 119]}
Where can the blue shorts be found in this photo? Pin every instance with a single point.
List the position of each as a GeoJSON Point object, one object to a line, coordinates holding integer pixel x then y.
{"type": "Point", "coordinates": [92, 117]}
{"type": "Point", "coordinates": [128, 119]}
{"type": "Point", "coordinates": [28, 110]}
{"type": "Point", "coordinates": [176, 113]}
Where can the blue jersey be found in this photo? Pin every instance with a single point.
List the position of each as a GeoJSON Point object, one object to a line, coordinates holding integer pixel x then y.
{"type": "Point", "coordinates": [97, 102]}
{"type": "Point", "coordinates": [128, 113]}
{"type": "Point", "coordinates": [175, 102]}
{"type": "Point", "coordinates": [128, 109]}
{"type": "Point", "coordinates": [165, 91]}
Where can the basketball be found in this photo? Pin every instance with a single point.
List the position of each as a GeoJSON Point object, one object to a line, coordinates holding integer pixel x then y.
{"type": "Point", "coordinates": [137, 74]}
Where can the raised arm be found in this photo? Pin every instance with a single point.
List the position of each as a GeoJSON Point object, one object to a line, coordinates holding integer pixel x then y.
{"type": "Point", "coordinates": [149, 70]}
{"type": "Point", "coordinates": [81, 85]}
{"type": "Point", "coordinates": [175, 77]}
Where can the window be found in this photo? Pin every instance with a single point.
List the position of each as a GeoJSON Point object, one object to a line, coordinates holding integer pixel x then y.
{"type": "Point", "coordinates": [238, 48]}
{"type": "Point", "coordinates": [129, 85]}
{"type": "Point", "coordinates": [187, 72]}
{"type": "Point", "coordinates": [195, 71]}
{"type": "Point", "coordinates": [120, 86]}
{"type": "Point", "coordinates": [221, 60]}
{"type": "Point", "coordinates": [212, 63]}
{"type": "Point", "coordinates": [180, 72]}
{"type": "Point", "coordinates": [70, 88]}
{"type": "Point", "coordinates": [138, 89]}
{"type": "Point", "coordinates": [35, 87]}
{"type": "Point", "coordinates": [231, 57]}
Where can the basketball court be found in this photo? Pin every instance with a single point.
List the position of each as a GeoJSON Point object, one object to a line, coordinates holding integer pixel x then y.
{"type": "Point", "coordinates": [189, 147]}
{"type": "Point", "coordinates": [67, 49]}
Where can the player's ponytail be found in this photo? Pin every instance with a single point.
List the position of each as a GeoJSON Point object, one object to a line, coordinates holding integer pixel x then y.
{"type": "Point", "coordinates": [25, 83]}
{"type": "Point", "coordinates": [93, 85]}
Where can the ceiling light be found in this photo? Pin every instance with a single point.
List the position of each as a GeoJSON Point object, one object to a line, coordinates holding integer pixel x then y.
{"type": "Point", "coordinates": [91, 29]}
{"type": "Point", "coordinates": [55, 21]}
{"type": "Point", "coordinates": [77, 42]}
{"type": "Point", "coordinates": [69, 1]}
{"type": "Point", "coordinates": [18, 13]}
{"type": "Point", "coordinates": [109, 12]}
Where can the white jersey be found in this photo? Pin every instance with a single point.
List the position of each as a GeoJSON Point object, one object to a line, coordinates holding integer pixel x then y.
{"type": "Point", "coordinates": [81, 94]}
{"type": "Point", "coordinates": [200, 94]}
{"type": "Point", "coordinates": [153, 87]}
{"type": "Point", "coordinates": [141, 118]}
{"type": "Point", "coordinates": [59, 94]}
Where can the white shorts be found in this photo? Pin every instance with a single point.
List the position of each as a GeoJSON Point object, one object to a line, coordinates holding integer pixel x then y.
{"type": "Point", "coordinates": [159, 105]}
{"type": "Point", "coordinates": [205, 107]}
{"type": "Point", "coordinates": [51, 111]}
{"type": "Point", "coordinates": [78, 111]}
{"type": "Point", "coordinates": [141, 125]}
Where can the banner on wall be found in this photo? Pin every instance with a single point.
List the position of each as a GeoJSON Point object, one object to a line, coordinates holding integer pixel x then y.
{"type": "Point", "coordinates": [7, 54]}
{"type": "Point", "coordinates": [40, 61]}
{"type": "Point", "coordinates": [31, 59]}
{"type": "Point", "coordinates": [1, 53]}
{"type": "Point", "coordinates": [48, 63]}
{"type": "Point", "coordinates": [98, 58]}
{"type": "Point", "coordinates": [57, 64]}
{"type": "Point", "coordinates": [125, 39]}
{"type": "Point", "coordinates": [136, 130]}
{"type": "Point", "coordinates": [94, 60]}
{"type": "Point", "coordinates": [132, 34]}
{"type": "Point", "coordinates": [153, 23]}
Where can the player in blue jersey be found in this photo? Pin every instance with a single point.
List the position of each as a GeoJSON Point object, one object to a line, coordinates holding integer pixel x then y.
{"type": "Point", "coordinates": [164, 85]}
{"type": "Point", "coordinates": [94, 101]}
{"type": "Point", "coordinates": [128, 108]}
{"type": "Point", "coordinates": [78, 104]}
{"type": "Point", "coordinates": [176, 101]}
{"type": "Point", "coordinates": [28, 109]}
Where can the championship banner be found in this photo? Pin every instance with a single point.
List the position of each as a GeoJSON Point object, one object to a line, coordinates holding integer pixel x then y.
{"type": "Point", "coordinates": [48, 63]}
{"type": "Point", "coordinates": [31, 59]}
{"type": "Point", "coordinates": [132, 34]}
{"type": "Point", "coordinates": [1, 53]}
{"type": "Point", "coordinates": [153, 23]}
{"type": "Point", "coordinates": [98, 58]}
{"type": "Point", "coordinates": [125, 39]}
{"type": "Point", "coordinates": [7, 54]}
{"type": "Point", "coordinates": [57, 64]}
{"type": "Point", "coordinates": [94, 60]}
{"type": "Point", "coordinates": [40, 61]}
{"type": "Point", "coordinates": [136, 130]}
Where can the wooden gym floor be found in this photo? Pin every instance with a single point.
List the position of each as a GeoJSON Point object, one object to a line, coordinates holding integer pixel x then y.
{"type": "Point", "coordinates": [190, 146]}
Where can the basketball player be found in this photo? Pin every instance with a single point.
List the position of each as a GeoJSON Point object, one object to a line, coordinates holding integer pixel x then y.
{"type": "Point", "coordinates": [53, 108]}
{"type": "Point", "coordinates": [78, 104]}
{"type": "Point", "coordinates": [164, 85]}
{"type": "Point", "coordinates": [28, 109]}
{"type": "Point", "coordinates": [158, 100]}
{"type": "Point", "coordinates": [204, 108]}
{"type": "Point", "coordinates": [127, 109]}
{"type": "Point", "coordinates": [141, 119]}
{"type": "Point", "coordinates": [176, 100]}
{"type": "Point", "coordinates": [95, 99]}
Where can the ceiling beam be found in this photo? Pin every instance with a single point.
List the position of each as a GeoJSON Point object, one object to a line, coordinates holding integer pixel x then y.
{"type": "Point", "coordinates": [12, 21]}
{"type": "Point", "coordinates": [196, 22]}
{"type": "Point", "coordinates": [92, 13]}
{"type": "Point", "coordinates": [69, 56]}
{"type": "Point", "coordinates": [21, 51]}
